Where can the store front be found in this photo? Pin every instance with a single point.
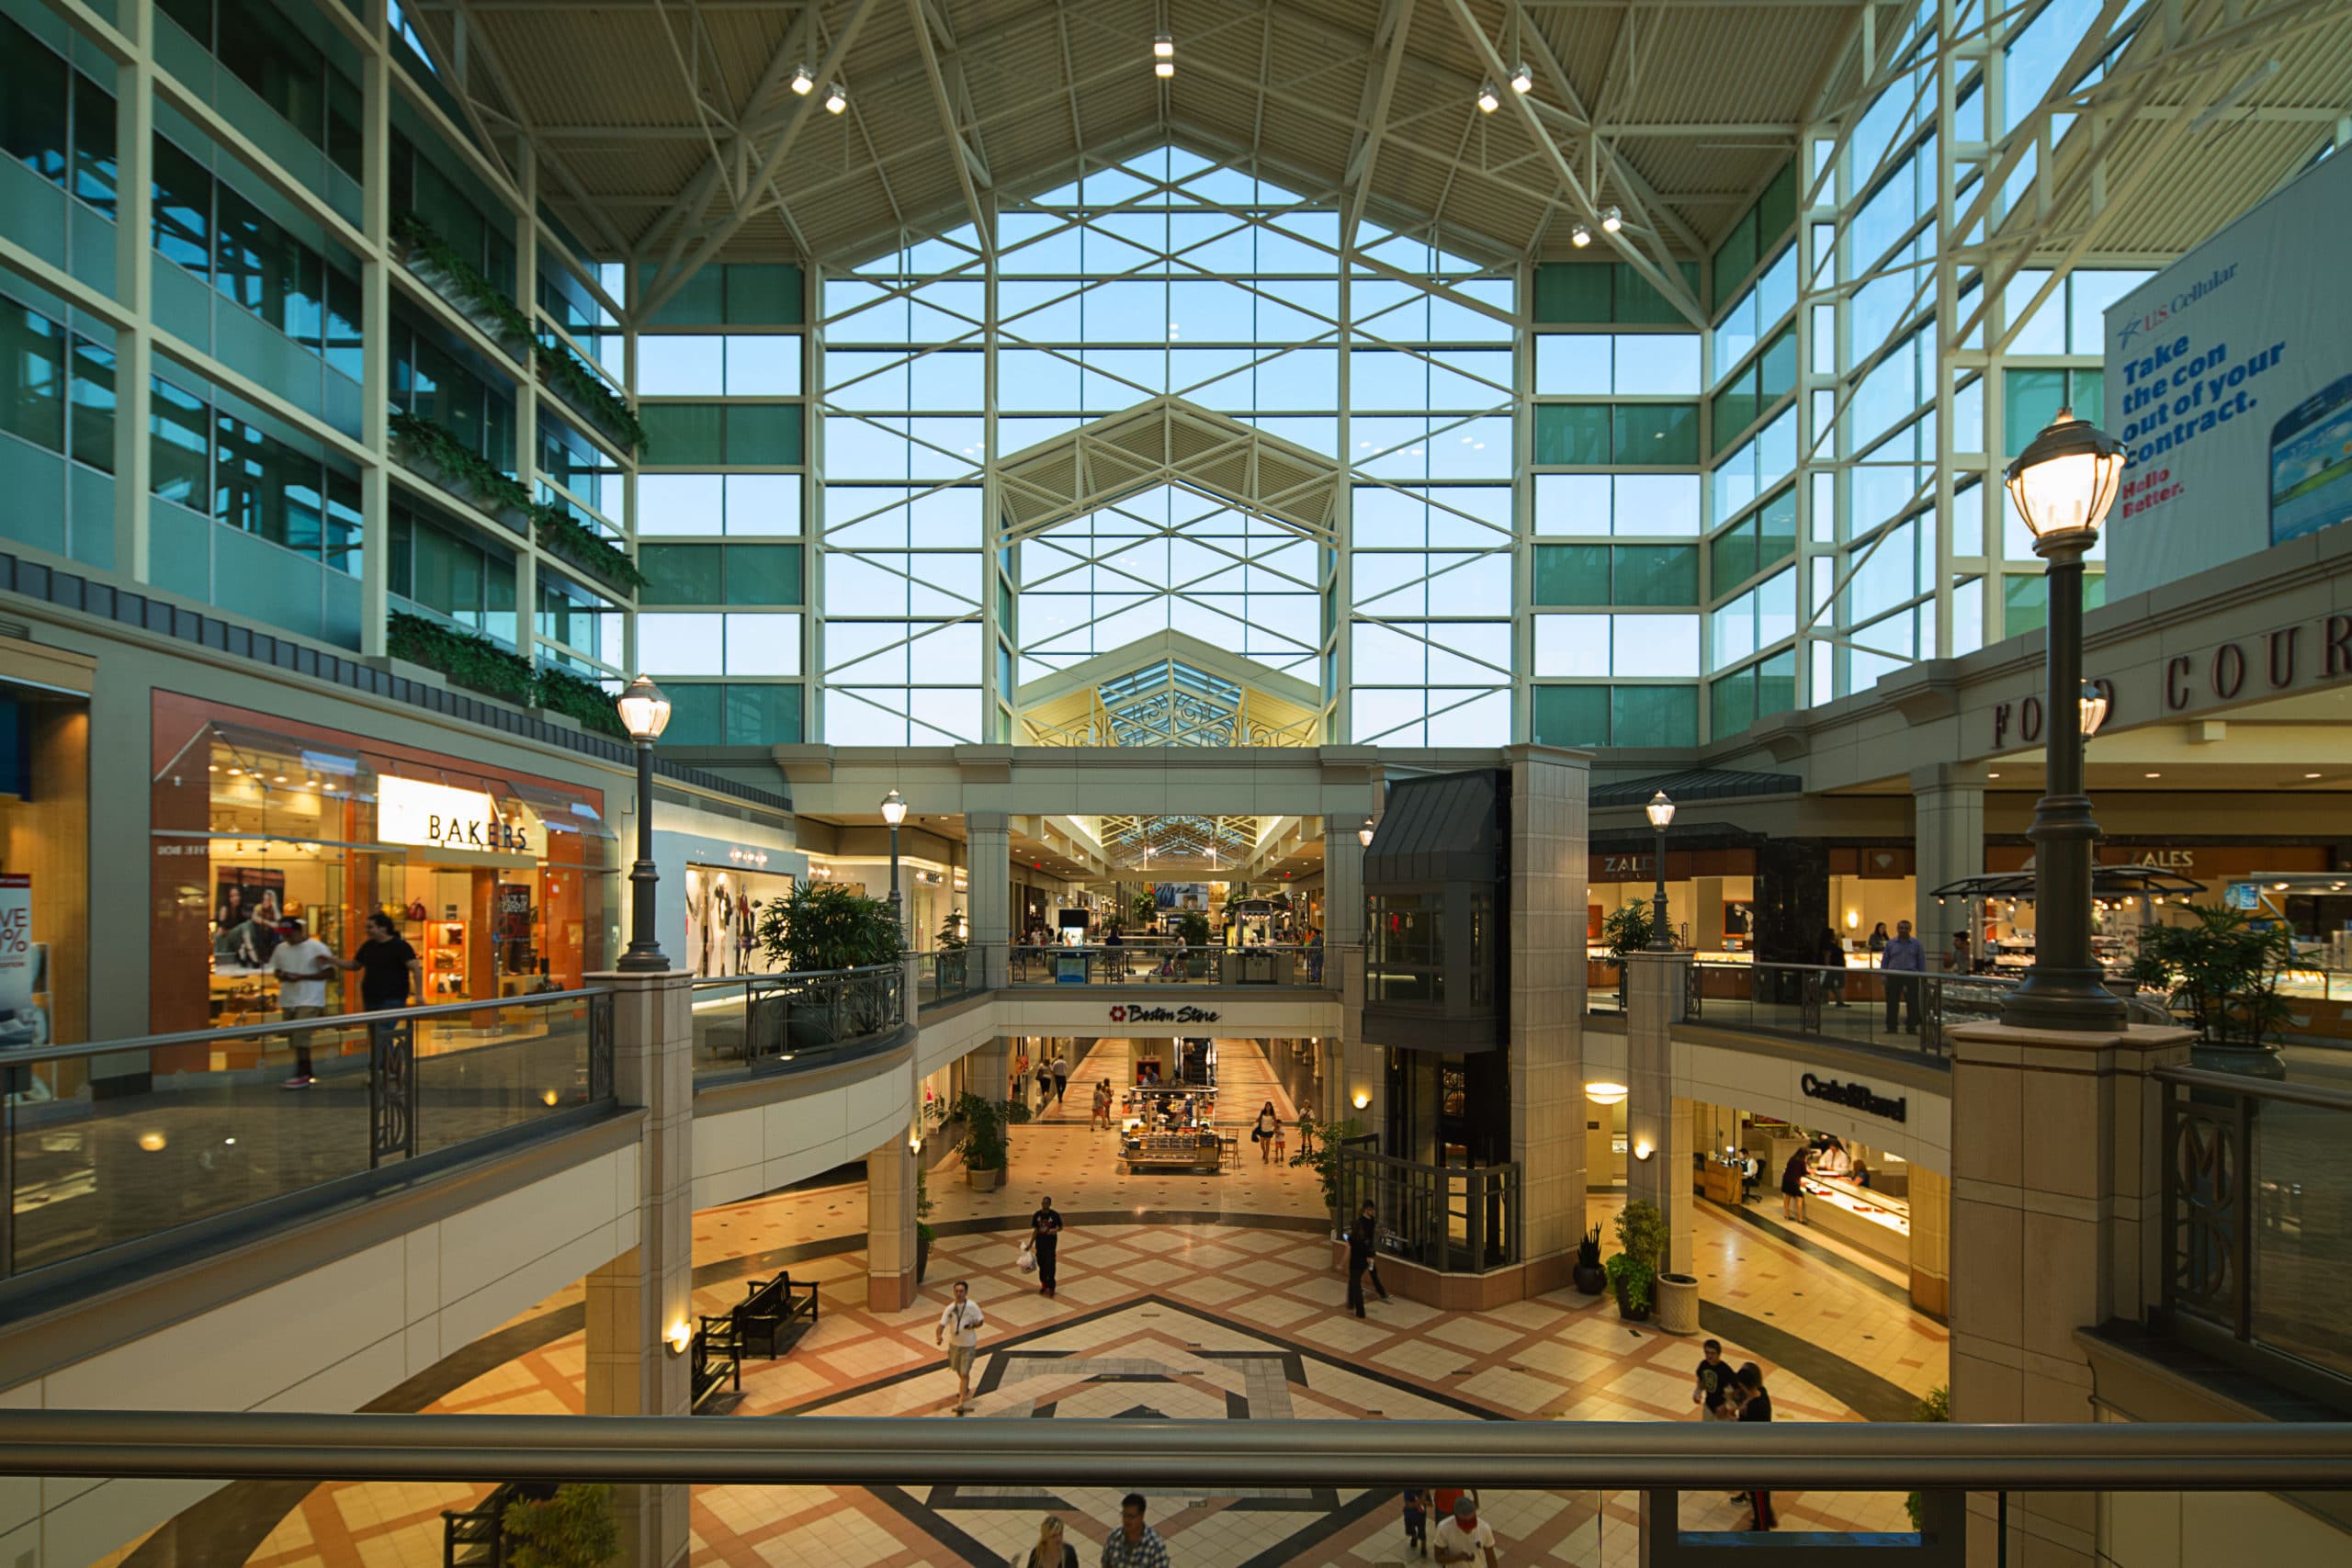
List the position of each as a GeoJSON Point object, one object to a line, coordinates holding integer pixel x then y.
{"type": "Point", "coordinates": [45, 865]}
{"type": "Point", "coordinates": [724, 905]}
{"type": "Point", "coordinates": [505, 883]}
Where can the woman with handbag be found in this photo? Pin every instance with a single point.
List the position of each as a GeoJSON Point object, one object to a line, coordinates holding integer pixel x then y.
{"type": "Point", "coordinates": [1269, 1128]}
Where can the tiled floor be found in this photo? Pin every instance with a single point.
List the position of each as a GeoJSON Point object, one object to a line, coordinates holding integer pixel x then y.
{"type": "Point", "coordinates": [1235, 1317]}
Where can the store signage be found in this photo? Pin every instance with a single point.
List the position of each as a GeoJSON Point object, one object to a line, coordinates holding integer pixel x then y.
{"type": "Point", "coordinates": [15, 945]}
{"type": "Point", "coordinates": [1162, 1015]}
{"type": "Point", "coordinates": [409, 811]}
{"type": "Point", "coordinates": [2257, 665]}
{"type": "Point", "coordinates": [1853, 1096]}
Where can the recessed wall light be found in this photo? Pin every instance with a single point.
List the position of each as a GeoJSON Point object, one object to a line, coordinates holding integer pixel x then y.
{"type": "Point", "coordinates": [2152, 775]}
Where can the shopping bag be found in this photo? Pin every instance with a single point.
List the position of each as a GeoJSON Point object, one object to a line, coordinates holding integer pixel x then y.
{"type": "Point", "coordinates": [1028, 1258]}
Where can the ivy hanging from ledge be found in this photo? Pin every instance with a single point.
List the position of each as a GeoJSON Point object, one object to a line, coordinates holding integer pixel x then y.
{"type": "Point", "coordinates": [591, 394]}
{"type": "Point", "coordinates": [473, 290]}
{"type": "Point", "coordinates": [566, 536]}
{"type": "Point", "coordinates": [562, 533]}
{"type": "Point", "coordinates": [481, 665]}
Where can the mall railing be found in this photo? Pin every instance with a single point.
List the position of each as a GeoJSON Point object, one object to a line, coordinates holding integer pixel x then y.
{"type": "Point", "coordinates": [1164, 964]}
{"type": "Point", "coordinates": [1597, 1491]}
{"type": "Point", "coordinates": [2257, 1221]}
{"type": "Point", "coordinates": [949, 974]}
{"type": "Point", "coordinates": [1886, 1008]}
{"type": "Point", "coordinates": [125, 1143]}
{"type": "Point", "coordinates": [1454, 1219]}
{"type": "Point", "coordinates": [765, 1023]}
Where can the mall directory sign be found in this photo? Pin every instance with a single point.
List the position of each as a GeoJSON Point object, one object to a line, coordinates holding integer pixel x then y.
{"type": "Point", "coordinates": [2229, 377]}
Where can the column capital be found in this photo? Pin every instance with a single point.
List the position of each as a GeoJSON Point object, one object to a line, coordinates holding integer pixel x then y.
{"type": "Point", "coordinates": [2004, 1045]}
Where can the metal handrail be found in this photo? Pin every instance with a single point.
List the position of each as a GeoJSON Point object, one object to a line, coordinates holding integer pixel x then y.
{"type": "Point", "coordinates": [26, 1057]}
{"type": "Point", "coordinates": [1557, 1455]}
{"type": "Point", "coordinates": [2258, 1088]}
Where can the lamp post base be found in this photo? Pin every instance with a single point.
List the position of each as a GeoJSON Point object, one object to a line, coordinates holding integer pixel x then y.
{"type": "Point", "coordinates": [2070, 1000]}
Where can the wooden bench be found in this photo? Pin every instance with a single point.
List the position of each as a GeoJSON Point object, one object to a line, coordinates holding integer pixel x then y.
{"type": "Point", "coordinates": [476, 1537]}
{"type": "Point", "coordinates": [769, 1308]}
{"type": "Point", "coordinates": [718, 1359]}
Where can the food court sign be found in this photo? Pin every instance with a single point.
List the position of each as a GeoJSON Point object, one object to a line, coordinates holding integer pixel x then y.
{"type": "Point", "coordinates": [410, 811]}
{"type": "Point", "coordinates": [2265, 664]}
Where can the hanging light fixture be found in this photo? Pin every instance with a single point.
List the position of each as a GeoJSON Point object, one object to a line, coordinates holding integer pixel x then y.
{"type": "Point", "coordinates": [1163, 55]}
{"type": "Point", "coordinates": [1489, 101]}
{"type": "Point", "coordinates": [836, 98]}
{"type": "Point", "coordinates": [1580, 236]}
{"type": "Point", "coordinates": [802, 82]}
{"type": "Point", "coordinates": [1363, 834]}
{"type": "Point", "coordinates": [1612, 220]}
{"type": "Point", "coordinates": [1523, 80]}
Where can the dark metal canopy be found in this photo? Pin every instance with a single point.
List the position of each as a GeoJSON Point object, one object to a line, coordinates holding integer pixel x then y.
{"type": "Point", "coordinates": [2106, 882]}
{"type": "Point", "coordinates": [1439, 829]}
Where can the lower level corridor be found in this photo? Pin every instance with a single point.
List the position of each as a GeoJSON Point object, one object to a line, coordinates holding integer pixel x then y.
{"type": "Point", "coordinates": [1194, 1297]}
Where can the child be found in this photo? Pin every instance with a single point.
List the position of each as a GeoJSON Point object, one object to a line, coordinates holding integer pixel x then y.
{"type": "Point", "coordinates": [1416, 1521]}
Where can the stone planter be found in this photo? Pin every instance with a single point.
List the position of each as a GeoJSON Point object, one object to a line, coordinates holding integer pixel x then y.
{"type": "Point", "coordinates": [1678, 1303]}
{"type": "Point", "coordinates": [983, 1181]}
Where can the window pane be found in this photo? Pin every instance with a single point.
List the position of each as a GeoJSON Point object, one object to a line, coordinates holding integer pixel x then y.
{"type": "Point", "coordinates": [763, 574]}
{"type": "Point", "coordinates": [764, 364]}
{"type": "Point", "coordinates": [680, 645]}
{"type": "Point", "coordinates": [1575, 433]}
{"type": "Point", "coordinates": [1572, 716]}
{"type": "Point", "coordinates": [1572, 574]}
{"type": "Point", "coordinates": [1658, 716]}
{"type": "Point", "coordinates": [1573, 364]}
{"type": "Point", "coordinates": [680, 574]}
{"type": "Point", "coordinates": [1660, 433]}
{"type": "Point", "coordinates": [1572, 645]}
{"type": "Point", "coordinates": [1656, 645]}
{"type": "Point", "coordinates": [1657, 364]}
{"type": "Point", "coordinates": [680, 367]}
{"type": "Point", "coordinates": [764, 645]}
{"type": "Point", "coordinates": [1656, 574]}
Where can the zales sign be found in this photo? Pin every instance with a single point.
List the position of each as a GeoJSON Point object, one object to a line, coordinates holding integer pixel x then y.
{"type": "Point", "coordinates": [1162, 1015]}
{"type": "Point", "coordinates": [2260, 665]}
{"type": "Point", "coordinates": [1853, 1096]}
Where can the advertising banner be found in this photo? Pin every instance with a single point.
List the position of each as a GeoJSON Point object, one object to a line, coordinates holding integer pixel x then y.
{"type": "Point", "coordinates": [21, 1021]}
{"type": "Point", "coordinates": [2229, 377]}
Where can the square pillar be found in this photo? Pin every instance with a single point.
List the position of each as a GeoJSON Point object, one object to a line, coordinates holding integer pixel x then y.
{"type": "Point", "coordinates": [988, 841]}
{"type": "Point", "coordinates": [1549, 790]}
{"type": "Point", "coordinates": [1654, 1117]}
{"type": "Point", "coordinates": [2056, 1212]}
{"type": "Point", "coordinates": [636, 1301]}
{"type": "Point", "coordinates": [890, 1283]}
{"type": "Point", "coordinates": [1947, 833]}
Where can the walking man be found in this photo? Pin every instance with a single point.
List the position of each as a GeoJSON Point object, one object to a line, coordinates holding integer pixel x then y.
{"type": "Point", "coordinates": [959, 1329]}
{"type": "Point", "coordinates": [1363, 1242]}
{"type": "Point", "coordinates": [1061, 1076]}
{"type": "Point", "coordinates": [1133, 1544]}
{"type": "Point", "coordinates": [1899, 968]}
{"type": "Point", "coordinates": [303, 966]}
{"type": "Point", "coordinates": [1045, 1237]}
{"type": "Point", "coordinates": [1464, 1536]}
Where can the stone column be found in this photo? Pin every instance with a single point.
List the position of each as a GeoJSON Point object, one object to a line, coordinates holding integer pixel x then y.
{"type": "Point", "coordinates": [2056, 1199]}
{"type": "Point", "coordinates": [988, 888]}
{"type": "Point", "coordinates": [1947, 828]}
{"type": "Point", "coordinates": [1548, 793]}
{"type": "Point", "coordinates": [1653, 998]}
{"type": "Point", "coordinates": [642, 1297]}
{"type": "Point", "coordinates": [1930, 1200]}
{"type": "Point", "coordinates": [890, 1284]}
{"type": "Point", "coordinates": [1359, 1068]}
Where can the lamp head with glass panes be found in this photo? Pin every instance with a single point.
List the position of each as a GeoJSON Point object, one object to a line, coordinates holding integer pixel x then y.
{"type": "Point", "coordinates": [1660, 810]}
{"type": "Point", "coordinates": [893, 808]}
{"type": "Point", "coordinates": [644, 710]}
{"type": "Point", "coordinates": [2063, 482]}
{"type": "Point", "coordinates": [2094, 707]}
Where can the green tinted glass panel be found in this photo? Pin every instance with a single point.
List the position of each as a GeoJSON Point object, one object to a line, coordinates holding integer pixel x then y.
{"type": "Point", "coordinates": [763, 294]}
{"type": "Point", "coordinates": [685, 435]}
{"type": "Point", "coordinates": [2032, 399]}
{"type": "Point", "coordinates": [1572, 716]}
{"type": "Point", "coordinates": [1572, 574]}
{"type": "Point", "coordinates": [1777, 529]}
{"type": "Point", "coordinates": [1572, 292]}
{"type": "Point", "coordinates": [1734, 411]}
{"type": "Point", "coordinates": [32, 375]}
{"type": "Point", "coordinates": [1776, 210]}
{"type": "Point", "coordinates": [764, 433]}
{"type": "Point", "coordinates": [1656, 432]}
{"type": "Point", "coordinates": [2089, 401]}
{"type": "Point", "coordinates": [1572, 432]}
{"type": "Point", "coordinates": [1779, 377]}
{"type": "Point", "coordinates": [1735, 259]}
{"type": "Point", "coordinates": [1638, 304]}
{"type": "Point", "coordinates": [762, 716]}
{"type": "Point", "coordinates": [1731, 703]}
{"type": "Point", "coordinates": [1776, 684]}
{"type": "Point", "coordinates": [700, 302]}
{"type": "Point", "coordinates": [693, 713]}
{"type": "Point", "coordinates": [1654, 715]}
{"type": "Point", "coordinates": [1732, 556]}
{"type": "Point", "coordinates": [763, 574]}
{"type": "Point", "coordinates": [679, 574]}
{"type": "Point", "coordinates": [1656, 574]}
{"type": "Point", "coordinates": [2025, 601]}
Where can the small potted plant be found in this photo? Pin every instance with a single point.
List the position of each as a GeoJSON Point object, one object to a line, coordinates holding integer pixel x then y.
{"type": "Point", "coordinates": [573, 1528]}
{"type": "Point", "coordinates": [1633, 1270]}
{"type": "Point", "coordinates": [1590, 1277]}
{"type": "Point", "coordinates": [986, 1149]}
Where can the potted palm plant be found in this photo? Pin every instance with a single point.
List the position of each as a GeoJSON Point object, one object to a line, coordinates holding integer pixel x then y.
{"type": "Point", "coordinates": [986, 1148]}
{"type": "Point", "coordinates": [819, 928]}
{"type": "Point", "coordinates": [1590, 1277]}
{"type": "Point", "coordinates": [1633, 1270]}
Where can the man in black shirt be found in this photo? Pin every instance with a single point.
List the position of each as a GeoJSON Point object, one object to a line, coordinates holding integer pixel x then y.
{"type": "Point", "coordinates": [389, 967]}
{"type": "Point", "coordinates": [1713, 1373]}
{"type": "Point", "coordinates": [1045, 1237]}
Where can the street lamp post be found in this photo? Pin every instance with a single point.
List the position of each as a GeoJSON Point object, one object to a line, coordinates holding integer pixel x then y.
{"type": "Point", "coordinates": [645, 713]}
{"type": "Point", "coordinates": [894, 811]}
{"type": "Point", "coordinates": [1661, 812]}
{"type": "Point", "coordinates": [2062, 484]}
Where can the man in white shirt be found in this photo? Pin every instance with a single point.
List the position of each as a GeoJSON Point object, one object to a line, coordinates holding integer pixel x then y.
{"type": "Point", "coordinates": [1464, 1537]}
{"type": "Point", "coordinates": [302, 964]}
{"type": "Point", "coordinates": [959, 1327]}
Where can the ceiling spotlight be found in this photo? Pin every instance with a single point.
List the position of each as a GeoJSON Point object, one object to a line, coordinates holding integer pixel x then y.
{"type": "Point", "coordinates": [802, 82]}
{"type": "Point", "coordinates": [1163, 69]}
{"type": "Point", "coordinates": [1488, 102]}
{"type": "Point", "coordinates": [836, 98]}
{"type": "Point", "coordinates": [1580, 236]}
{"type": "Point", "coordinates": [1523, 80]}
{"type": "Point", "coordinates": [1163, 47]}
{"type": "Point", "coordinates": [1612, 220]}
